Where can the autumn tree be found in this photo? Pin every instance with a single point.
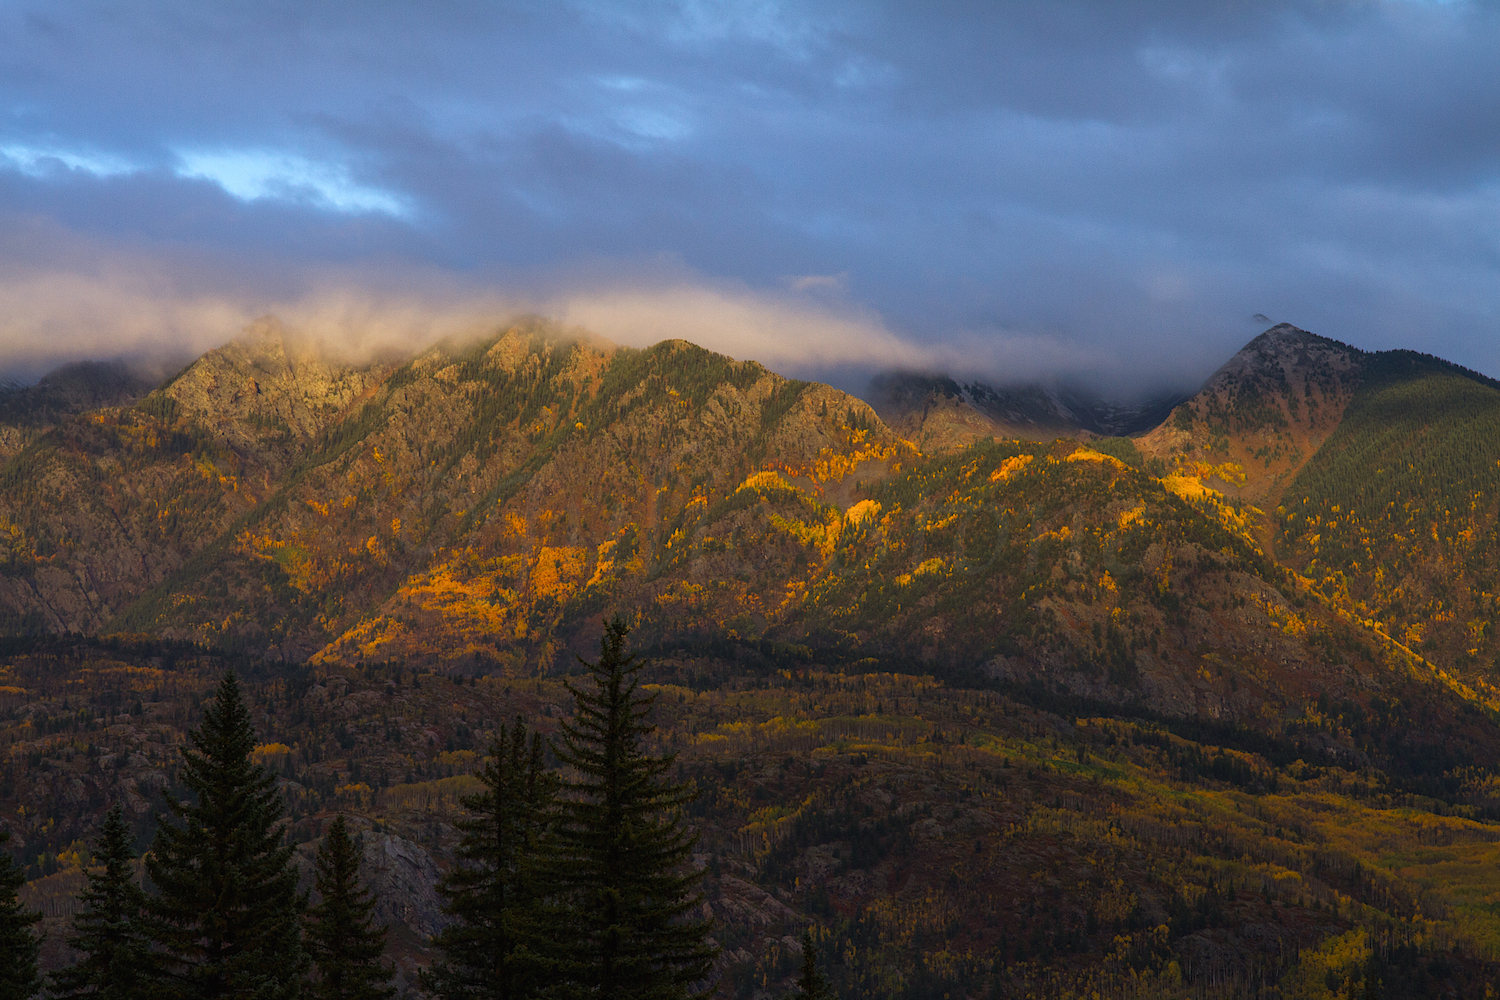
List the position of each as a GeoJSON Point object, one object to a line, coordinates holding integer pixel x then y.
{"type": "Point", "coordinates": [622, 859]}
{"type": "Point", "coordinates": [109, 931]}
{"type": "Point", "coordinates": [226, 918]}
{"type": "Point", "coordinates": [19, 944]}
{"type": "Point", "coordinates": [340, 932]}
{"type": "Point", "coordinates": [498, 894]}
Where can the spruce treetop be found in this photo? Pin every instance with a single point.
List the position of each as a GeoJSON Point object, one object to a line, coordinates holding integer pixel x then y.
{"type": "Point", "coordinates": [226, 916]}
{"type": "Point", "coordinates": [109, 931]}
{"type": "Point", "coordinates": [340, 931]}
{"type": "Point", "coordinates": [623, 859]}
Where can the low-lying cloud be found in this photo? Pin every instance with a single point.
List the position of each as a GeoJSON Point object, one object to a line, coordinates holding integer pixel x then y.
{"type": "Point", "coordinates": [53, 317]}
{"type": "Point", "coordinates": [1061, 189]}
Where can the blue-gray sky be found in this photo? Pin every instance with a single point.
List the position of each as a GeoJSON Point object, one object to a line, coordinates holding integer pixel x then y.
{"type": "Point", "coordinates": [1104, 189]}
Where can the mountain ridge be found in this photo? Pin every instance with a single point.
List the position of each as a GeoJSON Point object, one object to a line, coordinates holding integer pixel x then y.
{"type": "Point", "coordinates": [1091, 715]}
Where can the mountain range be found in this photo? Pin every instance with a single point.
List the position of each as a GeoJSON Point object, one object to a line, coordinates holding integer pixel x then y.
{"type": "Point", "coordinates": [1185, 648]}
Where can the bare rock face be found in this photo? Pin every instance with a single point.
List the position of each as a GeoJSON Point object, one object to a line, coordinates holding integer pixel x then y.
{"type": "Point", "coordinates": [404, 878]}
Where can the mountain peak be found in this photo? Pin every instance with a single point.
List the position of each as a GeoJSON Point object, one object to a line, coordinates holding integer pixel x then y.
{"type": "Point", "coordinates": [271, 377]}
{"type": "Point", "coordinates": [1262, 414]}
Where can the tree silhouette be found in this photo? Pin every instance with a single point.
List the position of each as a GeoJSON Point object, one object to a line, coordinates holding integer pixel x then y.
{"type": "Point", "coordinates": [622, 858]}
{"type": "Point", "coordinates": [110, 930]}
{"type": "Point", "coordinates": [812, 984]}
{"type": "Point", "coordinates": [340, 933]}
{"type": "Point", "coordinates": [19, 944]}
{"type": "Point", "coordinates": [498, 896]}
{"type": "Point", "coordinates": [226, 919]}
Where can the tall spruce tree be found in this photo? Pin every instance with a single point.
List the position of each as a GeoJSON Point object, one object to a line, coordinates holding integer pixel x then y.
{"type": "Point", "coordinates": [622, 859]}
{"type": "Point", "coordinates": [226, 917]}
{"type": "Point", "coordinates": [812, 984]}
{"type": "Point", "coordinates": [19, 944]}
{"type": "Point", "coordinates": [498, 895]}
{"type": "Point", "coordinates": [340, 932]}
{"type": "Point", "coordinates": [109, 931]}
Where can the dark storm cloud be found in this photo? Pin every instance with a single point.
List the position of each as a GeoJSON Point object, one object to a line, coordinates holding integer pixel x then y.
{"type": "Point", "coordinates": [1102, 189]}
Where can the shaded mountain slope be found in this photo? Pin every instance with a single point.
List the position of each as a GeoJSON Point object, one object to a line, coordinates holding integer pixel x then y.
{"type": "Point", "coordinates": [939, 414]}
{"type": "Point", "coordinates": [28, 411]}
{"type": "Point", "coordinates": [941, 839]}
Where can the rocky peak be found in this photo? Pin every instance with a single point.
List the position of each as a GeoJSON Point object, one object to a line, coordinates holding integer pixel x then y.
{"type": "Point", "coordinates": [1262, 414]}
{"type": "Point", "coordinates": [1285, 357]}
{"type": "Point", "coordinates": [270, 380]}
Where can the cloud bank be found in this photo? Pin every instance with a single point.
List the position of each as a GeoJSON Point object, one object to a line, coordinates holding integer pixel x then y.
{"type": "Point", "coordinates": [1105, 191]}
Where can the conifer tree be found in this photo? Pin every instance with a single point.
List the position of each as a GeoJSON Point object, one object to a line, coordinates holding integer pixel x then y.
{"type": "Point", "coordinates": [812, 984]}
{"type": "Point", "coordinates": [19, 944]}
{"type": "Point", "coordinates": [109, 930]}
{"type": "Point", "coordinates": [226, 918]}
{"type": "Point", "coordinates": [340, 932]}
{"type": "Point", "coordinates": [498, 895]}
{"type": "Point", "coordinates": [623, 858]}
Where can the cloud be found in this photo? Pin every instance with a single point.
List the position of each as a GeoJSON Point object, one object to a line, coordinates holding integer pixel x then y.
{"type": "Point", "coordinates": [1094, 187]}
{"type": "Point", "coordinates": [253, 174]}
{"type": "Point", "coordinates": [814, 282]}
{"type": "Point", "coordinates": [114, 303]}
{"type": "Point", "coordinates": [43, 162]}
{"type": "Point", "coordinates": [782, 335]}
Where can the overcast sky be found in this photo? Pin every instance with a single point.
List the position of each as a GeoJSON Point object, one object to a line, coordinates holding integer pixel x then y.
{"type": "Point", "coordinates": [1103, 190]}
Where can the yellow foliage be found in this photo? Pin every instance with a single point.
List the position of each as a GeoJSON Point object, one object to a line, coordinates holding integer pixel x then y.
{"type": "Point", "coordinates": [930, 566]}
{"type": "Point", "coordinates": [1187, 487]}
{"type": "Point", "coordinates": [604, 562]}
{"type": "Point", "coordinates": [1010, 467]}
{"type": "Point", "coordinates": [863, 511]}
{"type": "Point", "coordinates": [1132, 516]}
{"type": "Point", "coordinates": [764, 481]}
{"type": "Point", "coordinates": [1338, 955]}
{"type": "Point", "coordinates": [1086, 454]}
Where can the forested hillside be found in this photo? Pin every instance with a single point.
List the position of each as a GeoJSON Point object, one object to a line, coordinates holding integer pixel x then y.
{"type": "Point", "coordinates": [938, 837]}
{"type": "Point", "coordinates": [1397, 514]}
{"type": "Point", "coordinates": [1016, 718]}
